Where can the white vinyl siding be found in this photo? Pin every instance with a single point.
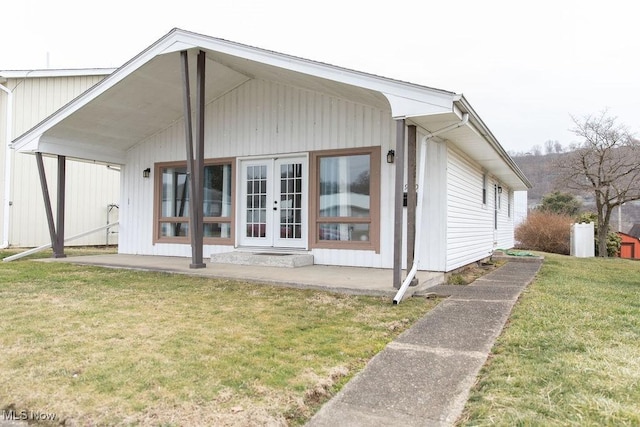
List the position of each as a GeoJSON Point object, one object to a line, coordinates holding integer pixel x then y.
{"type": "Point", "coordinates": [504, 233]}
{"type": "Point", "coordinates": [470, 225]}
{"type": "Point", "coordinates": [90, 188]}
{"type": "Point", "coordinates": [262, 118]}
{"type": "Point", "coordinates": [433, 239]}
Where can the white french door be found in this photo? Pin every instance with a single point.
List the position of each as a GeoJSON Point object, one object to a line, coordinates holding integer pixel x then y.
{"type": "Point", "coordinates": [273, 202]}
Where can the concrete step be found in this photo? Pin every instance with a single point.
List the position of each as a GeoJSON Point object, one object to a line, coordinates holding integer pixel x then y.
{"type": "Point", "coordinates": [264, 258]}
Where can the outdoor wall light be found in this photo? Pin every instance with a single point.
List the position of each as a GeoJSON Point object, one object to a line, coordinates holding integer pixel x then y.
{"type": "Point", "coordinates": [391, 155]}
{"type": "Point", "coordinates": [146, 173]}
{"type": "Point", "coordinates": [499, 190]}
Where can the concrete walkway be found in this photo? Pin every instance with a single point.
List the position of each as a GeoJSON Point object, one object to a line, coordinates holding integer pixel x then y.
{"type": "Point", "coordinates": [423, 378]}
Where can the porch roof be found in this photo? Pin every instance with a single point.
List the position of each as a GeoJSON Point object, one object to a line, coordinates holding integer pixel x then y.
{"type": "Point", "coordinates": [144, 96]}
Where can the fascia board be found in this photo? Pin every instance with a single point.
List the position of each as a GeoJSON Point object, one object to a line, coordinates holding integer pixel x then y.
{"type": "Point", "coordinates": [78, 150]}
{"type": "Point", "coordinates": [480, 128]}
{"type": "Point", "coordinates": [70, 72]}
{"type": "Point", "coordinates": [84, 98]}
{"type": "Point", "coordinates": [404, 97]}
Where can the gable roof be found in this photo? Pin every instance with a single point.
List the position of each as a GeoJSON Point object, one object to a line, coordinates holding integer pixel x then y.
{"type": "Point", "coordinates": [144, 96]}
{"type": "Point", "coordinates": [635, 231]}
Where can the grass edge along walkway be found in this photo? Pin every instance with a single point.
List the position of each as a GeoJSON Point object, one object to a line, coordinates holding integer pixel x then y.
{"type": "Point", "coordinates": [570, 354]}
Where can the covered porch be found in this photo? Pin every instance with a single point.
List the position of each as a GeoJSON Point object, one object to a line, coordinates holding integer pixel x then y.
{"type": "Point", "coordinates": [349, 280]}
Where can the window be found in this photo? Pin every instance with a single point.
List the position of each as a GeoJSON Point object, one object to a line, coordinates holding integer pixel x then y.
{"type": "Point", "coordinates": [172, 202]}
{"type": "Point", "coordinates": [496, 205]}
{"type": "Point", "coordinates": [345, 199]}
{"type": "Point", "coordinates": [484, 188]}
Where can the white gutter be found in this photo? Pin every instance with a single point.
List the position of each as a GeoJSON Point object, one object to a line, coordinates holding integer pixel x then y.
{"type": "Point", "coordinates": [422, 168]}
{"type": "Point", "coordinates": [7, 170]}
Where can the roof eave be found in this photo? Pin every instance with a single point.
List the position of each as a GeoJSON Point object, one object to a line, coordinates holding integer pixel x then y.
{"type": "Point", "coordinates": [490, 138]}
{"type": "Point", "coordinates": [404, 98]}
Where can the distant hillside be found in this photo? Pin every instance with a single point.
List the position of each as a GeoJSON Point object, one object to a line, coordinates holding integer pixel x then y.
{"type": "Point", "coordinates": [543, 175]}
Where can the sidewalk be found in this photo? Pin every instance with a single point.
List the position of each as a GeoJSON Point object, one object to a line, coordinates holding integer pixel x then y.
{"type": "Point", "coordinates": [423, 378]}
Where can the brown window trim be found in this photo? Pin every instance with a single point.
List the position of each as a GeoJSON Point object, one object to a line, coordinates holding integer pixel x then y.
{"type": "Point", "coordinates": [314, 216]}
{"type": "Point", "coordinates": [157, 194]}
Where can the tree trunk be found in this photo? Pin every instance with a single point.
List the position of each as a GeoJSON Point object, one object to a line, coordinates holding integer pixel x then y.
{"type": "Point", "coordinates": [603, 229]}
{"type": "Point", "coordinates": [602, 240]}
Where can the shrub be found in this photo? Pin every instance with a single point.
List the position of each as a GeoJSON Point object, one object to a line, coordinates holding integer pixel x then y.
{"type": "Point", "coordinates": [545, 231]}
{"type": "Point", "coordinates": [562, 203]}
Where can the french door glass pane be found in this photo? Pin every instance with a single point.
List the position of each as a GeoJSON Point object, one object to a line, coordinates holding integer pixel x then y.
{"type": "Point", "coordinates": [256, 201]}
{"type": "Point", "coordinates": [291, 201]}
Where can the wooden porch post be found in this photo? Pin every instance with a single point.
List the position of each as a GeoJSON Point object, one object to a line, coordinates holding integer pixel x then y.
{"type": "Point", "coordinates": [196, 262]}
{"type": "Point", "coordinates": [198, 177]}
{"type": "Point", "coordinates": [57, 237]}
{"type": "Point", "coordinates": [58, 250]}
{"type": "Point", "coordinates": [411, 193]}
{"type": "Point", "coordinates": [399, 196]}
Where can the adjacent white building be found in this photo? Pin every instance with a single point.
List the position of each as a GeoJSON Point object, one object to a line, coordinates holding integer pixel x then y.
{"type": "Point", "coordinates": [296, 156]}
{"type": "Point", "coordinates": [27, 98]}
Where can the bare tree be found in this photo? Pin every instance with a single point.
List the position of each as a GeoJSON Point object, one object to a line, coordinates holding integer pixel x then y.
{"type": "Point", "coordinates": [548, 146]}
{"type": "Point", "coordinates": [606, 164]}
{"type": "Point", "coordinates": [557, 147]}
{"type": "Point", "coordinates": [536, 150]}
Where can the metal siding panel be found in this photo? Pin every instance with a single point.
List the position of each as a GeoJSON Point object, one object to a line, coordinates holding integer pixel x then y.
{"type": "Point", "coordinates": [34, 99]}
{"type": "Point", "coordinates": [3, 143]}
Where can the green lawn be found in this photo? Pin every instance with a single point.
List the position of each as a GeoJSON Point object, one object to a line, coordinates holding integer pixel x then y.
{"type": "Point", "coordinates": [570, 354]}
{"type": "Point", "coordinates": [114, 347]}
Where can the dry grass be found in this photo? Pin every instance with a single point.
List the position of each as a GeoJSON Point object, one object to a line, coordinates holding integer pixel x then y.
{"type": "Point", "coordinates": [570, 355]}
{"type": "Point", "coordinates": [468, 274]}
{"type": "Point", "coordinates": [113, 347]}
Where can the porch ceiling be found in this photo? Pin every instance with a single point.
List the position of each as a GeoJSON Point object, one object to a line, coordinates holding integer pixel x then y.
{"type": "Point", "coordinates": [150, 99]}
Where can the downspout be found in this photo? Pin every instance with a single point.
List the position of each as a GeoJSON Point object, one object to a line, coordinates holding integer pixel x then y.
{"type": "Point", "coordinates": [6, 202]}
{"type": "Point", "coordinates": [419, 209]}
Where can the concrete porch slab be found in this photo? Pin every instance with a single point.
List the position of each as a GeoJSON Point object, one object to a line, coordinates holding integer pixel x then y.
{"type": "Point", "coordinates": [350, 280]}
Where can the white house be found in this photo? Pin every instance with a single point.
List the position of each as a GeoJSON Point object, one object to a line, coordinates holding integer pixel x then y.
{"type": "Point", "coordinates": [288, 154]}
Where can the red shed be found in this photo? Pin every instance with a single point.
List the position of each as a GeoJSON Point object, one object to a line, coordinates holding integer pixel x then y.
{"type": "Point", "coordinates": [630, 246]}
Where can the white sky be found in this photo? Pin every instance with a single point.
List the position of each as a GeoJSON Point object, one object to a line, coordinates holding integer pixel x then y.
{"type": "Point", "coordinates": [525, 67]}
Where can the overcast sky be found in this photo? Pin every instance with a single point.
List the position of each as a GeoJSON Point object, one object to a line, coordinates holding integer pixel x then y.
{"type": "Point", "coordinates": [525, 67]}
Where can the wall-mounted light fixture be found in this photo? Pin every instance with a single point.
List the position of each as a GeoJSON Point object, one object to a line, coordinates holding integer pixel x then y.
{"type": "Point", "coordinates": [146, 173]}
{"type": "Point", "coordinates": [499, 189]}
{"type": "Point", "coordinates": [391, 156]}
